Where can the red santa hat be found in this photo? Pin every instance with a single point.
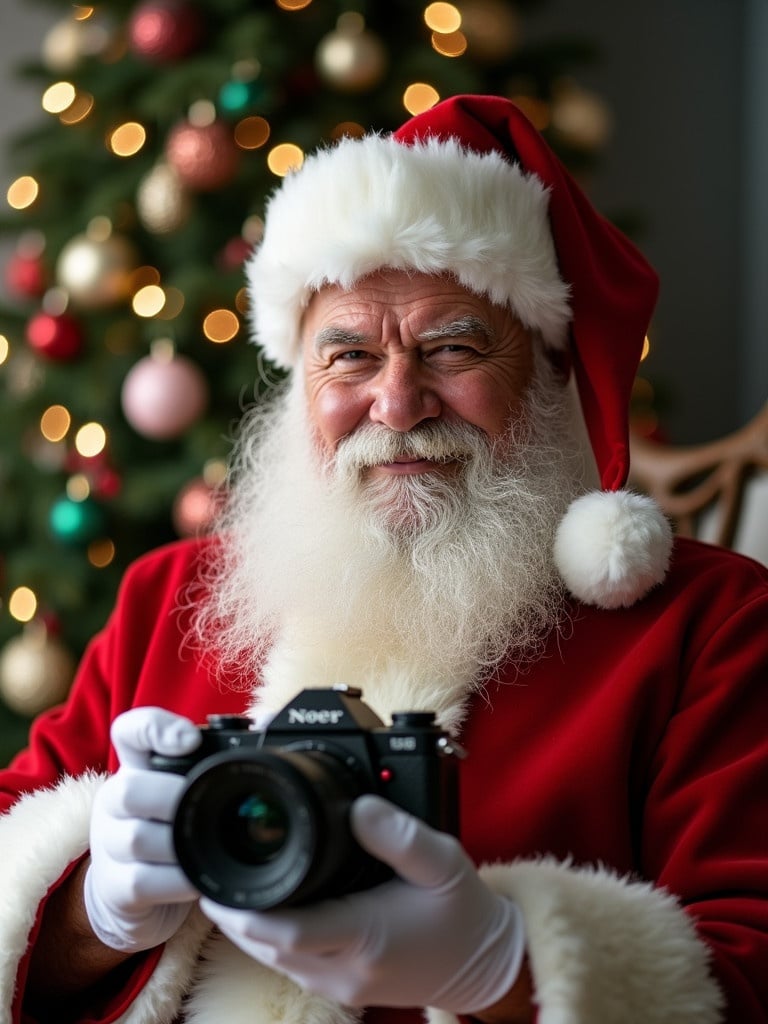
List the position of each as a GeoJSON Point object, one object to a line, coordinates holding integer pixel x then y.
{"type": "Point", "coordinates": [471, 188]}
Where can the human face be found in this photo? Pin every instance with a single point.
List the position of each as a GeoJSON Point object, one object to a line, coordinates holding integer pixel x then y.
{"type": "Point", "coordinates": [401, 349]}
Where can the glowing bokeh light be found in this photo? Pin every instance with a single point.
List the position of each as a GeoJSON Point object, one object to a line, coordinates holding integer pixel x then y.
{"type": "Point", "coordinates": [55, 423]}
{"type": "Point", "coordinates": [419, 96]}
{"type": "Point", "coordinates": [22, 604]}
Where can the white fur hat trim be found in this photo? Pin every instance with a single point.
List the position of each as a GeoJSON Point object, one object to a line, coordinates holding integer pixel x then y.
{"type": "Point", "coordinates": [432, 207]}
{"type": "Point", "coordinates": [612, 547]}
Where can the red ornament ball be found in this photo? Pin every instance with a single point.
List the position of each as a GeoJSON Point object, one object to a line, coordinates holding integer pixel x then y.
{"type": "Point", "coordinates": [235, 253]}
{"type": "Point", "coordinates": [205, 156]}
{"type": "Point", "coordinates": [58, 337]}
{"type": "Point", "coordinates": [163, 31]}
{"type": "Point", "coordinates": [26, 276]}
{"type": "Point", "coordinates": [161, 398]}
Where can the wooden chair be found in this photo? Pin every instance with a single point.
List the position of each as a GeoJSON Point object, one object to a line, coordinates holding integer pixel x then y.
{"type": "Point", "coordinates": [709, 485]}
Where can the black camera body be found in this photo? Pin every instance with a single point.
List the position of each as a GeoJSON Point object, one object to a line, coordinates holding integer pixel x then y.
{"type": "Point", "coordinates": [263, 820]}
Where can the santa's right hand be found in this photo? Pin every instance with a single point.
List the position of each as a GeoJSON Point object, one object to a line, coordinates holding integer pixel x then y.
{"type": "Point", "coordinates": [136, 895]}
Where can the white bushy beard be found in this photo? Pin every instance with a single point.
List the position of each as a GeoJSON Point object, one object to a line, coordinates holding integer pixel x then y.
{"type": "Point", "coordinates": [415, 588]}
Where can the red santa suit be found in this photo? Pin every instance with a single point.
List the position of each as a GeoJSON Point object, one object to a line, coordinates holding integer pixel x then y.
{"type": "Point", "coordinates": [616, 790]}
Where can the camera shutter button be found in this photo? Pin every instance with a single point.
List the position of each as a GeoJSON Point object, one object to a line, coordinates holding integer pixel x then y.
{"type": "Point", "coordinates": [413, 719]}
{"type": "Point", "coordinates": [229, 722]}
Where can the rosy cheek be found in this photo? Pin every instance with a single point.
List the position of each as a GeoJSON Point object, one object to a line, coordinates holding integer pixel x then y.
{"type": "Point", "coordinates": [335, 412]}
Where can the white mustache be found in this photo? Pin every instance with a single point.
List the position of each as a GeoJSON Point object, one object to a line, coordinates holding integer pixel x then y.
{"type": "Point", "coordinates": [437, 441]}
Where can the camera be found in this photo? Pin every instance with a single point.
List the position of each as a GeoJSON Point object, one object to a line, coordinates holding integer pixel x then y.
{"type": "Point", "coordinates": [263, 820]}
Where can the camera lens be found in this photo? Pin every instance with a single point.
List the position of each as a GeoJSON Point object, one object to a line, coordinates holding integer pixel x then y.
{"type": "Point", "coordinates": [254, 829]}
{"type": "Point", "coordinates": [269, 827]}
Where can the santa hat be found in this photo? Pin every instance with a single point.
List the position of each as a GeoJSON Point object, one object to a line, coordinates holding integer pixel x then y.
{"type": "Point", "coordinates": [471, 188]}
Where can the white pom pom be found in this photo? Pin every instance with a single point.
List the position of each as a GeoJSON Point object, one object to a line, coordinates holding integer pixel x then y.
{"type": "Point", "coordinates": [612, 547]}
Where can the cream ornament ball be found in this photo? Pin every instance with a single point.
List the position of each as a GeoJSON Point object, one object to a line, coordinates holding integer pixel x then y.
{"type": "Point", "coordinates": [36, 671]}
{"type": "Point", "coordinates": [96, 272]}
{"type": "Point", "coordinates": [72, 39]}
{"type": "Point", "coordinates": [162, 200]}
{"type": "Point", "coordinates": [163, 396]}
{"type": "Point", "coordinates": [351, 58]}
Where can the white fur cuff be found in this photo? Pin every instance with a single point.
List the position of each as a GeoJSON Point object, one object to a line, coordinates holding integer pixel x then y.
{"type": "Point", "coordinates": [41, 835]}
{"type": "Point", "coordinates": [606, 950]}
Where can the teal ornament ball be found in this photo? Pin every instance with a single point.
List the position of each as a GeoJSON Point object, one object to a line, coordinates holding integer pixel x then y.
{"type": "Point", "coordinates": [236, 96]}
{"type": "Point", "coordinates": [77, 522]}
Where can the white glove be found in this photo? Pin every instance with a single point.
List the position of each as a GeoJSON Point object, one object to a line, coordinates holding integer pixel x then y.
{"type": "Point", "coordinates": [136, 895]}
{"type": "Point", "coordinates": [435, 936]}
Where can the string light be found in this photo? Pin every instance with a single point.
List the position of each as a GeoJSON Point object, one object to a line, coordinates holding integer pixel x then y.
{"type": "Point", "coordinates": [251, 132]}
{"type": "Point", "coordinates": [5, 349]}
{"type": "Point", "coordinates": [174, 303]}
{"type": "Point", "coordinates": [419, 97]}
{"type": "Point", "coordinates": [58, 97]}
{"type": "Point", "coordinates": [78, 488]}
{"type": "Point", "coordinates": [22, 604]}
{"type": "Point", "coordinates": [142, 276]}
{"type": "Point", "coordinates": [451, 44]}
{"type": "Point", "coordinates": [348, 129]}
{"type": "Point", "coordinates": [90, 440]}
{"type": "Point", "coordinates": [441, 17]}
{"type": "Point", "coordinates": [127, 139]}
{"type": "Point", "coordinates": [101, 553]}
{"type": "Point", "coordinates": [221, 326]}
{"type": "Point", "coordinates": [55, 423]}
{"type": "Point", "coordinates": [646, 348]}
{"type": "Point", "coordinates": [22, 192]}
{"type": "Point", "coordinates": [148, 301]}
{"type": "Point", "coordinates": [78, 110]}
{"type": "Point", "coordinates": [293, 5]}
{"type": "Point", "coordinates": [285, 158]}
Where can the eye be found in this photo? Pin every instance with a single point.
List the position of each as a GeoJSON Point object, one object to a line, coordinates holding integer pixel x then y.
{"type": "Point", "coordinates": [351, 355]}
{"type": "Point", "coordinates": [453, 352]}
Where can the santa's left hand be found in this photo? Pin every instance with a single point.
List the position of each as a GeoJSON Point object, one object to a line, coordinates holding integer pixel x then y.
{"type": "Point", "coordinates": [436, 935]}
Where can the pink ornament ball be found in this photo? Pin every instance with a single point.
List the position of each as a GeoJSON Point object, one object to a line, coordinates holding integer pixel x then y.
{"type": "Point", "coordinates": [205, 157]}
{"type": "Point", "coordinates": [195, 508]}
{"type": "Point", "coordinates": [26, 276]}
{"type": "Point", "coordinates": [161, 398]}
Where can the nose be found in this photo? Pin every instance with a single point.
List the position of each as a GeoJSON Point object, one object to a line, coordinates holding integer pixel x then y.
{"type": "Point", "coordinates": [403, 395]}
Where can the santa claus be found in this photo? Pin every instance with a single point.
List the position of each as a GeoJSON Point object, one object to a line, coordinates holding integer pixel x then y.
{"type": "Point", "coordinates": [432, 508]}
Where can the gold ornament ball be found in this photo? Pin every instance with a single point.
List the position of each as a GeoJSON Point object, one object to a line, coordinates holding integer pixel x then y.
{"type": "Point", "coordinates": [580, 118]}
{"type": "Point", "coordinates": [492, 29]}
{"type": "Point", "coordinates": [96, 272]}
{"type": "Point", "coordinates": [162, 201]}
{"type": "Point", "coordinates": [36, 672]}
{"type": "Point", "coordinates": [352, 61]}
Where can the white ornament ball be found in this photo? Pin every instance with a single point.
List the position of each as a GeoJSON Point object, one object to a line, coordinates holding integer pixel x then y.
{"type": "Point", "coordinates": [162, 397]}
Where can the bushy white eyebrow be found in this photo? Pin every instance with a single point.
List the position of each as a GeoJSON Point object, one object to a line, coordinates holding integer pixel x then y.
{"type": "Point", "coordinates": [465, 327]}
{"type": "Point", "coordinates": [337, 336]}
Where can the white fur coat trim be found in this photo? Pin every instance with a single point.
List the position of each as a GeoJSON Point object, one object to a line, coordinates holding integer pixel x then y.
{"type": "Point", "coordinates": [602, 949]}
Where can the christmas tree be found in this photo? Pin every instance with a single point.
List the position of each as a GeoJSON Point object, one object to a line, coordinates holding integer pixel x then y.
{"type": "Point", "coordinates": [124, 356]}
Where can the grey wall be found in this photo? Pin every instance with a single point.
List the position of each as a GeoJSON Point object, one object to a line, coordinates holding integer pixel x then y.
{"type": "Point", "coordinates": [673, 72]}
{"type": "Point", "coordinates": [688, 86]}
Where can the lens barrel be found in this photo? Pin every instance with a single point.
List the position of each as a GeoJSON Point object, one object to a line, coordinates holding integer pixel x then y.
{"type": "Point", "coordinates": [270, 828]}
